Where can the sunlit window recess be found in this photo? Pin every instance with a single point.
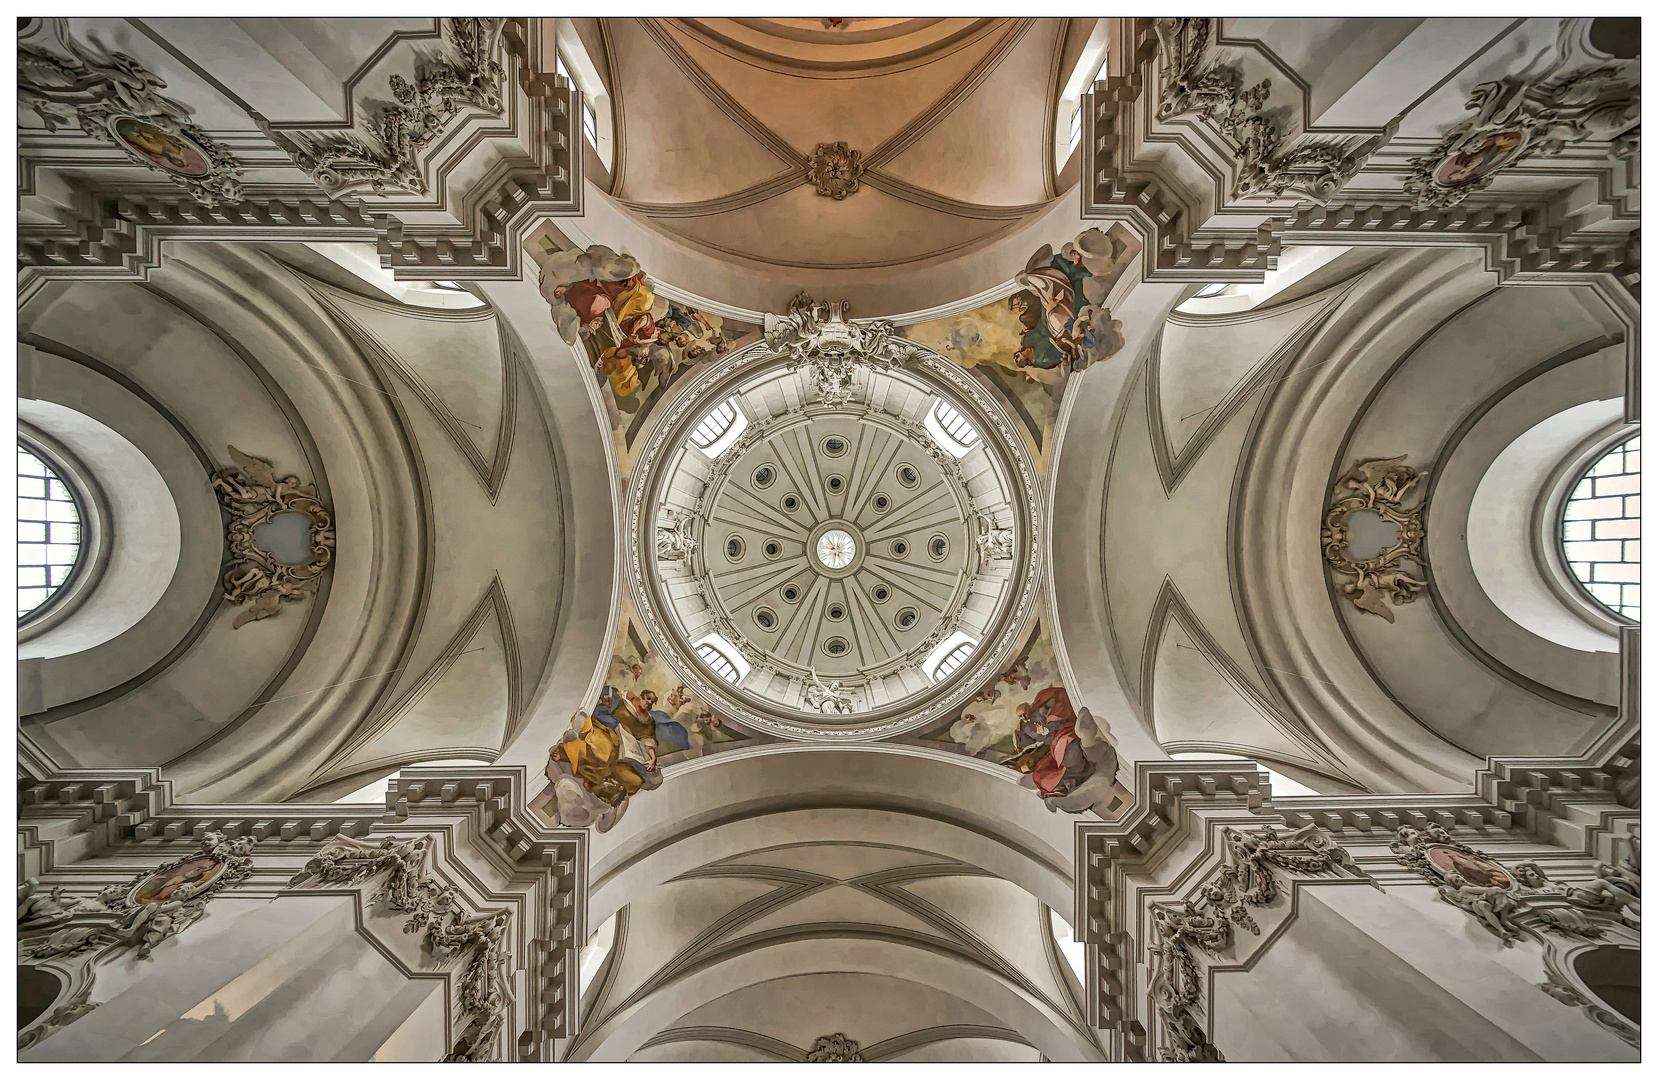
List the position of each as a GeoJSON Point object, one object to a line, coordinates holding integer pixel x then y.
{"type": "Point", "coordinates": [720, 429]}
{"type": "Point", "coordinates": [948, 656]}
{"type": "Point", "coordinates": [950, 429]}
{"type": "Point", "coordinates": [722, 658]}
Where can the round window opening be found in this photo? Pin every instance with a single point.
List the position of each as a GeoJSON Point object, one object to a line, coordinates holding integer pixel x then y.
{"type": "Point", "coordinates": [48, 532]}
{"type": "Point", "coordinates": [836, 548]}
{"type": "Point", "coordinates": [1600, 530]}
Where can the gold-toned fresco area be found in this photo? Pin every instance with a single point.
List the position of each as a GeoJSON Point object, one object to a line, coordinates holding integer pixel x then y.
{"type": "Point", "coordinates": [639, 342]}
{"type": "Point", "coordinates": [1026, 720]}
{"type": "Point", "coordinates": [1057, 323]}
{"type": "Point", "coordinates": [643, 721]}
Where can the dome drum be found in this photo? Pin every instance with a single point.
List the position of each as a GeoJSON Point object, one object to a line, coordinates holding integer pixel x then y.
{"type": "Point", "coordinates": [864, 543]}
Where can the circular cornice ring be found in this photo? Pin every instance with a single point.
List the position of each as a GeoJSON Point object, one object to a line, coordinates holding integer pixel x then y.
{"type": "Point", "coordinates": [1010, 457]}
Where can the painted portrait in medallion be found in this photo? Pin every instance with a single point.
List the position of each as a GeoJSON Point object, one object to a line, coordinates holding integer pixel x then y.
{"type": "Point", "coordinates": [166, 150]}
{"type": "Point", "coordinates": [1494, 151]}
{"type": "Point", "coordinates": [160, 886]}
{"type": "Point", "coordinates": [1475, 869]}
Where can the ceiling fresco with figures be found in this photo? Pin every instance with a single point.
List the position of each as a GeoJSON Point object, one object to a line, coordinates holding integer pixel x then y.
{"type": "Point", "coordinates": [889, 538]}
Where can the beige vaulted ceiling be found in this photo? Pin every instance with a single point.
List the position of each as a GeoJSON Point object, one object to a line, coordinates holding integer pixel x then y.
{"type": "Point", "coordinates": [719, 117]}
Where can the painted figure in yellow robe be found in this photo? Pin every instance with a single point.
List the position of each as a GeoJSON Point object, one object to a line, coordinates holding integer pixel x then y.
{"type": "Point", "coordinates": [610, 762]}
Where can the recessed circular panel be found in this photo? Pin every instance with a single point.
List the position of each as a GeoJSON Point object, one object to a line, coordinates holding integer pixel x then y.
{"type": "Point", "coordinates": [938, 547]}
{"type": "Point", "coordinates": [860, 462]}
{"type": "Point", "coordinates": [734, 547]}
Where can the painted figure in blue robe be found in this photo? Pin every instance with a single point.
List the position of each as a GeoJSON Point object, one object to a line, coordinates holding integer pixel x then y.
{"type": "Point", "coordinates": [1055, 282]}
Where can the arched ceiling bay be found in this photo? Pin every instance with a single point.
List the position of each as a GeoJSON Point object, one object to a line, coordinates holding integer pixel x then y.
{"type": "Point", "coordinates": [723, 116]}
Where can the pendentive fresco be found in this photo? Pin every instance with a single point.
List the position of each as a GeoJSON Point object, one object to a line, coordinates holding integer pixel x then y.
{"type": "Point", "coordinates": [883, 539]}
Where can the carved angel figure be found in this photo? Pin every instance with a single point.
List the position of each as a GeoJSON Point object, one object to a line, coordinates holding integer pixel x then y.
{"type": "Point", "coordinates": [995, 541]}
{"type": "Point", "coordinates": [674, 541]}
{"type": "Point", "coordinates": [37, 910]}
{"type": "Point", "coordinates": [830, 698]}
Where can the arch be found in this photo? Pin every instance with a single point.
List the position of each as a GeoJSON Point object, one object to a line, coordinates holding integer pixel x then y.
{"type": "Point", "coordinates": [630, 1028]}
{"type": "Point", "coordinates": [954, 806]}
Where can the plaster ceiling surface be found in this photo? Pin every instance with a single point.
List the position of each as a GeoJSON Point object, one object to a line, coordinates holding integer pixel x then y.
{"type": "Point", "coordinates": [833, 553]}
{"type": "Point", "coordinates": [722, 117]}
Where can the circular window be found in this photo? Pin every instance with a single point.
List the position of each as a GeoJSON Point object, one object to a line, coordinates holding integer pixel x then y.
{"type": "Point", "coordinates": [881, 503]}
{"type": "Point", "coordinates": [772, 549]}
{"type": "Point", "coordinates": [1600, 530]}
{"type": "Point", "coordinates": [791, 503]}
{"type": "Point", "coordinates": [49, 519]}
{"type": "Point", "coordinates": [765, 618]}
{"type": "Point", "coordinates": [733, 548]}
{"type": "Point", "coordinates": [908, 476]}
{"type": "Point", "coordinates": [836, 646]}
{"type": "Point", "coordinates": [938, 546]}
{"type": "Point", "coordinates": [880, 593]}
{"type": "Point", "coordinates": [833, 446]}
{"type": "Point", "coordinates": [836, 612]}
{"type": "Point", "coordinates": [900, 548]}
{"type": "Point", "coordinates": [764, 475]}
{"type": "Point", "coordinates": [906, 618]}
{"type": "Point", "coordinates": [836, 548]}
{"type": "Point", "coordinates": [835, 484]}
{"type": "Point", "coordinates": [791, 593]}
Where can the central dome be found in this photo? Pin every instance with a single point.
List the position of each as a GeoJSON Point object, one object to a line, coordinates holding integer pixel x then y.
{"type": "Point", "coordinates": [812, 546]}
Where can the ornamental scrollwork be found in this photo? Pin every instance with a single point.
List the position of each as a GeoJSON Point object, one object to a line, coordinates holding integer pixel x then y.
{"type": "Point", "coordinates": [1216, 91]}
{"type": "Point", "coordinates": [113, 98]}
{"type": "Point", "coordinates": [251, 495]}
{"type": "Point", "coordinates": [432, 908]}
{"type": "Point", "coordinates": [674, 542]}
{"type": "Point", "coordinates": [403, 128]}
{"type": "Point", "coordinates": [835, 170]}
{"type": "Point", "coordinates": [1381, 486]}
{"type": "Point", "coordinates": [1248, 880]}
{"type": "Point", "coordinates": [817, 335]}
{"type": "Point", "coordinates": [833, 1048]}
{"type": "Point", "coordinates": [1519, 903]}
{"type": "Point", "coordinates": [147, 910]}
{"type": "Point", "coordinates": [1516, 119]}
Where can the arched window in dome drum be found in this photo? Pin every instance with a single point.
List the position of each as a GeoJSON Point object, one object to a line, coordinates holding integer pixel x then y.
{"type": "Point", "coordinates": [715, 424]}
{"type": "Point", "coordinates": [956, 658]}
{"type": "Point", "coordinates": [955, 424]}
{"type": "Point", "coordinates": [716, 660]}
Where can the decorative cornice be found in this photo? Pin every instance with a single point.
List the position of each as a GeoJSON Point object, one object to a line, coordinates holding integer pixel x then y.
{"type": "Point", "coordinates": [113, 98]}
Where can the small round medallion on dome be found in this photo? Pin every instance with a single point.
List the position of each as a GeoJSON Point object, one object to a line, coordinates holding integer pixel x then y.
{"type": "Point", "coordinates": [836, 548]}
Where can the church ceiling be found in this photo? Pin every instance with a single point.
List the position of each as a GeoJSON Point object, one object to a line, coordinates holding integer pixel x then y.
{"type": "Point", "coordinates": [725, 120]}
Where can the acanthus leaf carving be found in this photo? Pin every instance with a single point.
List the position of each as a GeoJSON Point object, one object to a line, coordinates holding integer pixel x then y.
{"type": "Point", "coordinates": [830, 349]}
{"type": "Point", "coordinates": [1519, 118]}
{"type": "Point", "coordinates": [251, 494]}
{"type": "Point", "coordinates": [390, 163]}
{"type": "Point", "coordinates": [1216, 91]}
{"type": "Point", "coordinates": [1380, 486]}
{"type": "Point", "coordinates": [833, 1048]}
{"type": "Point", "coordinates": [432, 908]}
{"type": "Point", "coordinates": [1249, 879]}
{"type": "Point", "coordinates": [154, 905]}
{"type": "Point", "coordinates": [835, 170]}
{"type": "Point", "coordinates": [113, 98]}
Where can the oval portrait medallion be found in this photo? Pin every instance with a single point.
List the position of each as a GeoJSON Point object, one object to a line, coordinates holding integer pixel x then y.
{"type": "Point", "coordinates": [1474, 869]}
{"type": "Point", "coordinates": [1498, 149]}
{"type": "Point", "coordinates": [161, 885]}
{"type": "Point", "coordinates": [165, 150]}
